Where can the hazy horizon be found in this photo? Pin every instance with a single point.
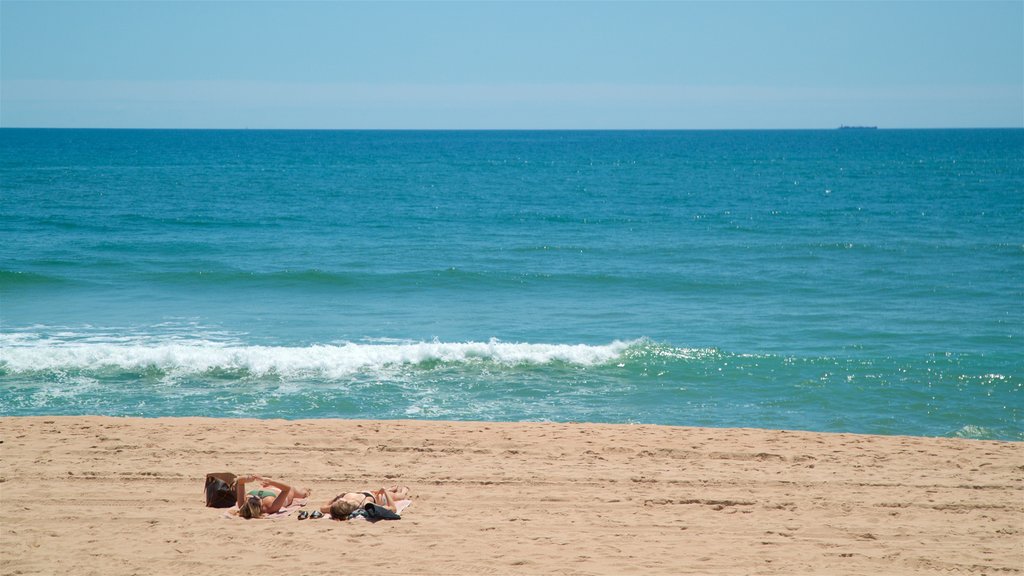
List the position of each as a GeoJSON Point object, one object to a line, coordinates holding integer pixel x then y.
{"type": "Point", "coordinates": [507, 65]}
{"type": "Point", "coordinates": [242, 129]}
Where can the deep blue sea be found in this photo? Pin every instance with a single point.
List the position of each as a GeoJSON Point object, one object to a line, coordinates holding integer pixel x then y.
{"type": "Point", "coordinates": [866, 281]}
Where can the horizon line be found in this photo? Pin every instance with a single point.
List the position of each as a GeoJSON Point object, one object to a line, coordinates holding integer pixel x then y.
{"type": "Point", "coordinates": [843, 127]}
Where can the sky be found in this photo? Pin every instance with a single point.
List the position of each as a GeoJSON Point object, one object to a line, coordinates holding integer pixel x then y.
{"type": "Point", "coordinates": [512, 65]}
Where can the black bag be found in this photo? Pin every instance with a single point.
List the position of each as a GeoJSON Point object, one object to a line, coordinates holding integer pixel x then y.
{"type": "Point", "coordinates": [220, 490]}
{"type": "Point", "coordinates": [375, 512]}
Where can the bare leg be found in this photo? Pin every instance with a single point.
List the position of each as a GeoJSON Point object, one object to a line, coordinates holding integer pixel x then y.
{"type": "Point", "coordinates": [398, 492]}
{"type": "Point", "coordinates": [297, 494]}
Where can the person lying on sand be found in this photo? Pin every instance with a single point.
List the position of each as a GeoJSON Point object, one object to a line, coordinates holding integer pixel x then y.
{"type": "Point", "coordinates": [270, 498]}
{"type": "Point", "coordinates": [344, 504]}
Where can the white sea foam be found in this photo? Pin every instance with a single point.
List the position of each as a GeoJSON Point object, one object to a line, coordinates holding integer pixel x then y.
{"type": "Point", "coordinates": [973, 432]}
{"type": "Point", "coordinates": [23, 354]}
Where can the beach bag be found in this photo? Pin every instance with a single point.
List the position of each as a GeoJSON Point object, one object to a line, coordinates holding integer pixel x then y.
{"type": "Point", "coordinates": [375, 512]}
{"type": "Point", "coordinates": [220, 490]}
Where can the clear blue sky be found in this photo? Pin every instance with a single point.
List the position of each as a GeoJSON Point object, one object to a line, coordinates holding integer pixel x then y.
{"type": "Point", "coordinates": [623, 64]}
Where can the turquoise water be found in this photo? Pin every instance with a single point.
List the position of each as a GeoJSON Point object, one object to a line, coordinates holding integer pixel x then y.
{"type": "Point", "coordinates": [856, 281]}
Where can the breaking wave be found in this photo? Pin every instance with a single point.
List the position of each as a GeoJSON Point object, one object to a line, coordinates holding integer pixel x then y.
{"type": "Point", "coordinates": [25, 354]}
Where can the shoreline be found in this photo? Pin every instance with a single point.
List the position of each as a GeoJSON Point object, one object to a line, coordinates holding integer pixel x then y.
{"type": "Point", "coordinates": [123, 495]}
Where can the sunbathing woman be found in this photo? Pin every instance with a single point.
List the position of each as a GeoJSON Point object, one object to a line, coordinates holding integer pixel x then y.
{"type": "Point", "coordinates": [270, 498]}
{"type": "Point", "coordinates": [344, 504]}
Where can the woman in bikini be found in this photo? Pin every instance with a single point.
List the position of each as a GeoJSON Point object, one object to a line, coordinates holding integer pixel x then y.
{"type": "Point", "coordinates": [268, 499]}
{"type": "Point", "coordinates": [344, 504]}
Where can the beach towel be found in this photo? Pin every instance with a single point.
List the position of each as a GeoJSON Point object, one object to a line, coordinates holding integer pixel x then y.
{"type": "Point", "coordinates": [296, 504]}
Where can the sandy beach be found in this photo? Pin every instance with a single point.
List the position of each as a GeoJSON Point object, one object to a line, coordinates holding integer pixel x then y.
{"type": "Point", "coordinates": [107, 496]}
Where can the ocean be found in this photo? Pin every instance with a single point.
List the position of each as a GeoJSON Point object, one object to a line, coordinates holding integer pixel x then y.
{"type": "Point", "coordinates": [866, 281]}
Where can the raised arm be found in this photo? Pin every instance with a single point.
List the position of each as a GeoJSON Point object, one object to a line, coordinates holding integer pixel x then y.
{"type": "Point", "coordinates": [240, 488]}
{"type": "Point", "coordinates": [282, 496]}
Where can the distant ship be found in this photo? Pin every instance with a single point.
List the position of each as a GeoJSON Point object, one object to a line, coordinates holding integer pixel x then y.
{"type": "Point", "coordinates": [845, 127]}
